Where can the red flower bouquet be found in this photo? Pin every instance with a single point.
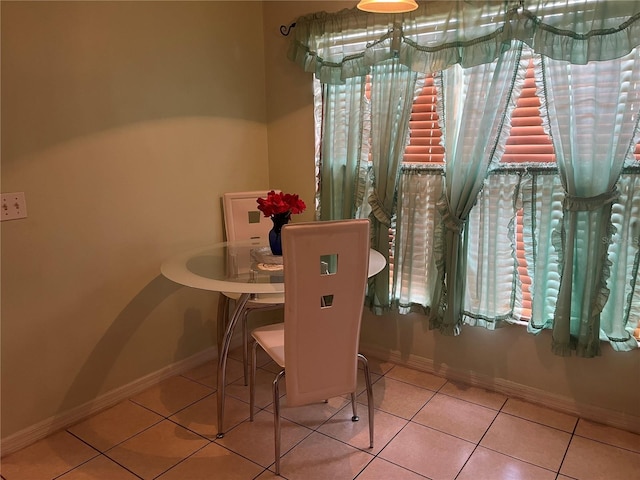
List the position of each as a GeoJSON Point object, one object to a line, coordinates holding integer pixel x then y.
{"type": "Point", "coordinates": [279, 206]}
{"type": "Point", "coordinates": [277, 203]}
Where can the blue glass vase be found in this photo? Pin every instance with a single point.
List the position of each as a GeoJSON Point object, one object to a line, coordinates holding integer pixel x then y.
{"type": "Point", "coordinates": [275, 240]}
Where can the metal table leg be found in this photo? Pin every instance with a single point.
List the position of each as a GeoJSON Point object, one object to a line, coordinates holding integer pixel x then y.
{"type": "Point", "coordinates": [222, 358]}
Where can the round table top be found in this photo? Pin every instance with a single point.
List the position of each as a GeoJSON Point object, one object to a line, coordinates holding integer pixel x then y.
{"type": "Point", "coordinates": [237, 267]}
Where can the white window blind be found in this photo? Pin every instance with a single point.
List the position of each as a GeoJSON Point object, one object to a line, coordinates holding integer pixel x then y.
{"type": "Point", "coordinates": [528, 141]}
{"type": "Point", "coordinates": [424, 134]}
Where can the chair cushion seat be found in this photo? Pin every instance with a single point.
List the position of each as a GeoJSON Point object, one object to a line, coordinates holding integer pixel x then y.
{"type": "Point", "coordinates": [271, 339]}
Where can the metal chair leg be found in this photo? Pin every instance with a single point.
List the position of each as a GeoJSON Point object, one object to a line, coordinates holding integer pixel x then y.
{"type": "Point", "coordinates": [367, 378]}
{"type": "Point", "coordinates": [245, 345]}
{"type": "Point", "coordinates": [276, 418]}
{"type": "Point", "coordinates": [355, 417]}
{"type": "Point", "coordinates": [252, 381]}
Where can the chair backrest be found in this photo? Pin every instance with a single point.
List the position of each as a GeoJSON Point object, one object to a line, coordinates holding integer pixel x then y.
{"type": "Point", "coordinates": [242, 219]}
{"type": "Point", "coordinates": [323, 312]}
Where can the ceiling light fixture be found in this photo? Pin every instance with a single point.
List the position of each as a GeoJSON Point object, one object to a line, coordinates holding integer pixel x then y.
{"type": "Point", "coordinates": [387, 6]}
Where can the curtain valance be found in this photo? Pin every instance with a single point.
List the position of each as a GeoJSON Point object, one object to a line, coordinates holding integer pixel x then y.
{"type": "Point", "coordinates": [341, 45]}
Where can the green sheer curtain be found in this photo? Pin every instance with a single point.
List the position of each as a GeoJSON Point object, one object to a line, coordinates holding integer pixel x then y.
{"type": "Point", "coordinates": [493, 292]}
{"type": "Point", "coordinates": [439, 34]}
{"type": "Point", "coordinates": [475, 106]}
{"type": "Point", "coordinates": [415, 262]}
{"type": "Point", "coordinates": [343, 107]}
{"type": "Point", "coordinates": [578, 31]}
{"type": "Point", "coordinates": [619, 317]}
{"type": "Point", "coordinates": [542, 198]}
{"type": "Point", "coordinates": [393, 89]}
{"type": "Point", "coordinates": [337, 46]}
{"type": "Point", "coordinates": [591, 111]}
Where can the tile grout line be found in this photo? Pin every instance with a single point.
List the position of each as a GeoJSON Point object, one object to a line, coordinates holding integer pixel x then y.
{"type": "Point", "coordinates": [475, 448]}
{"type": "Point", "coordinates": [566, 451]}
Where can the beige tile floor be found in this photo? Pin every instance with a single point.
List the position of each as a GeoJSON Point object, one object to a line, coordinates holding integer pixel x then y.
{"type": "Point", "coordinates": [425, 427]}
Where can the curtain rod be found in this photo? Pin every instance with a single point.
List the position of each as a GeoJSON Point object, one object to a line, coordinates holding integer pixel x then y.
{"type": "Point", "coordinates": [285, 31]}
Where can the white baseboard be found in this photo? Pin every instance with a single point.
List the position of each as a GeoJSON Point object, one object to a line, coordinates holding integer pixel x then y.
{"type": "Point", "coordinates": [533, 395]}
{"type": "Point", "coordinates": [42, 429]}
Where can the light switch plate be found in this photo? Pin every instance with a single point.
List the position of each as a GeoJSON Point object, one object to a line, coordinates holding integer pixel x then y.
{"type": "Point", "coordinates": [12, 206]}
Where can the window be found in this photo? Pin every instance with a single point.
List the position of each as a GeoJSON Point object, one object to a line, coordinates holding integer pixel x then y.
{"type": "Point", "coordinates": [485, 286]}
{"type": "Point", "coordinates": [527, 144]}
{"type": "Point", "coordinates": [411, 254]}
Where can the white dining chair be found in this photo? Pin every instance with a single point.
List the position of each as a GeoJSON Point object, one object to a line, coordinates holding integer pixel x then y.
{"type": "Point", "coordinates": [243, 221]}
{"type": "Point", "coordinates": [317, 344]}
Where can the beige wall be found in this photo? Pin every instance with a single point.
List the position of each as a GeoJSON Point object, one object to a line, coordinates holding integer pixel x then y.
{"type": "Point", "coordinates": [607, 387]}
{"type": "Point", "coordinates": [290, 103]}
{"type": "Point", "coordinates": [123, 122]}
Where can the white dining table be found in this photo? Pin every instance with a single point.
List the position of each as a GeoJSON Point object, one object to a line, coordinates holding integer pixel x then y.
{"type": "Point", "coordinates": [242, 267]}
